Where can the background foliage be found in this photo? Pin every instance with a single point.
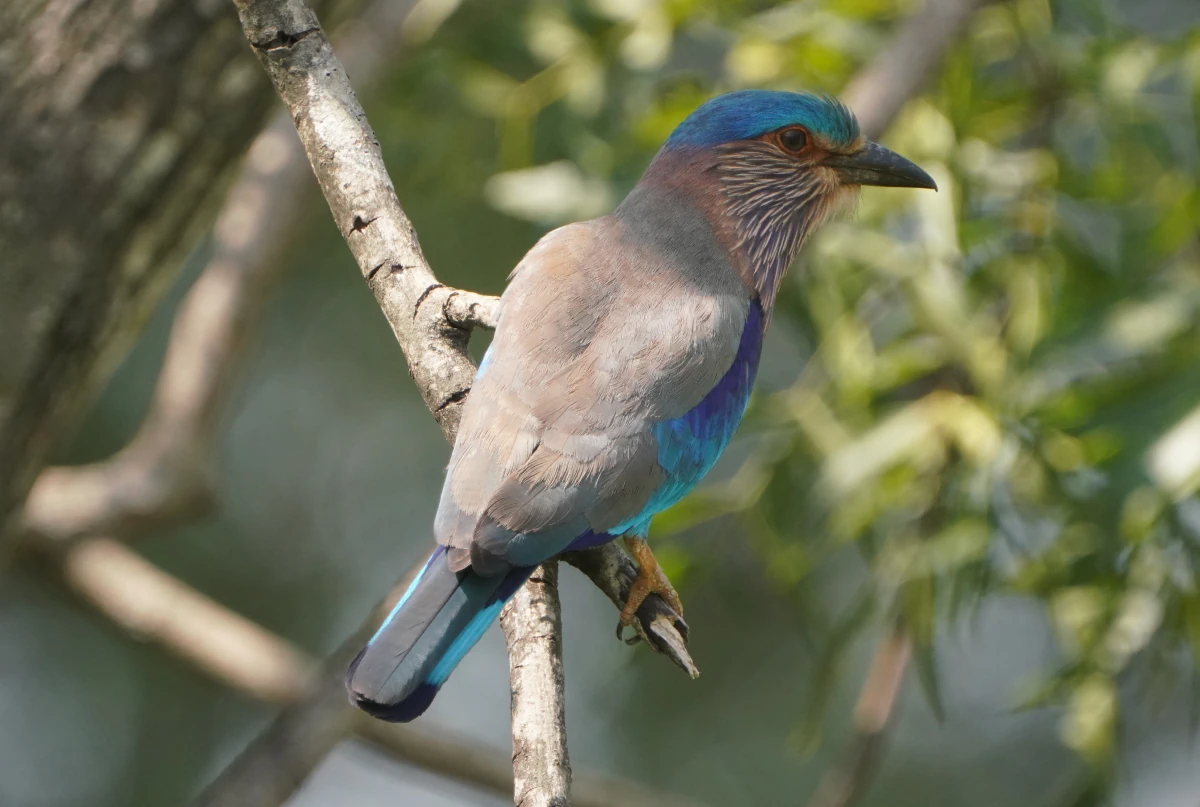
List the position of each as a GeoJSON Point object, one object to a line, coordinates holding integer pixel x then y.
{"type": "Point", "coordinates": [978, 418]}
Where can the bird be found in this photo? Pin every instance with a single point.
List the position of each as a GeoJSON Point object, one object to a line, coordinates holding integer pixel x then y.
{"type": "Point", "coordinates": [621, 365]}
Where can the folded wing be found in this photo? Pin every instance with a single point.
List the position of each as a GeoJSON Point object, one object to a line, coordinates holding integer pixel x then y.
{"type": "Point", "coordinates": [601, 337]}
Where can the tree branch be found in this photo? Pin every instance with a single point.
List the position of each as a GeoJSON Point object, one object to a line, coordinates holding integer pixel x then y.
{"type": "Point", "coordinates": [532, 622]}
{"type": "Point", "coordinates": [349, 168]}
{"type": "Point", "coordinates": [613, 572]}
{"type": "Point", "coordinates": [276, 763]}
{"type": "Point", "coordinates": [428, 320]}
{"type": "Point", "coordinates": [154, 606]}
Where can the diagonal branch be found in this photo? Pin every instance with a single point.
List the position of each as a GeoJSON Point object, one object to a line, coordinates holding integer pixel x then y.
{"type": "Point", "coordinates": [349, 168]}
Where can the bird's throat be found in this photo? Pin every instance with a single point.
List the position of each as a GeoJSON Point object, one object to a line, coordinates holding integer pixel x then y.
{"type": "Point", "coordinates": [771, 205]}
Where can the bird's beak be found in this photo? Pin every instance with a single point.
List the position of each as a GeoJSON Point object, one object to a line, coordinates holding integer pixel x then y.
{"type": "Point", "coordinates": [874, 165]}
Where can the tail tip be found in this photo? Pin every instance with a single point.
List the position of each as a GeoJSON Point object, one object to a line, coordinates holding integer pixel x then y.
{"type": "Point", "coordinates": [408, 708]}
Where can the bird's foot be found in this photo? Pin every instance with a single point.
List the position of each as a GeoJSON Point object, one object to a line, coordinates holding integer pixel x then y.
{"type": "Point", "coordinates": [650, 580]}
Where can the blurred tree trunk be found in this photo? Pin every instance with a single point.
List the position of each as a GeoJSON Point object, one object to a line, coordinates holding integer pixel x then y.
{"type": "Point", "coordinates": [121, 122]}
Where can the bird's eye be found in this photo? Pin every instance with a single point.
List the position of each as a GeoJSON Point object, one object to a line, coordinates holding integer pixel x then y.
{"type": "Point", "coordinates": [793, 139]}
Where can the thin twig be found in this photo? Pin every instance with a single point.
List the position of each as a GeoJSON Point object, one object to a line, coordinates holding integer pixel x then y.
{"type": "Point", "coordinates": [532, 622]}
{"type": "Point", "coordinates": [845, 784]}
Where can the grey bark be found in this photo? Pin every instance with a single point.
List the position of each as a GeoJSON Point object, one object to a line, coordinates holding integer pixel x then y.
{"type": "Point", "coordinates": [532, 622]}
{"type": "Point", "coordinates": [166, 472]}
{"type": "Point", "coordinates": [349, 167]}
{"type": "Point", "coordinates": [121, 122]}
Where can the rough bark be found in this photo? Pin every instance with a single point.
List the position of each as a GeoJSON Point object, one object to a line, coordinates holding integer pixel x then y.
{"type": "Point", "coordinates": [532, 622]}
{"type": "Point", "coordinates": [349, 168]}
{"type": "Point", "coordinates": [121, 124]}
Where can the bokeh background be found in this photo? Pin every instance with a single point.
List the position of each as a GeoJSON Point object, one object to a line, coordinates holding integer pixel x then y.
{"type": "Point", "coordinates": [978, 416]}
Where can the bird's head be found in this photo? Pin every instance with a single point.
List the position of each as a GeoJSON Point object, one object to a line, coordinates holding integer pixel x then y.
{"type": "Point", "coordinates": [786, 138]}
{"type": "Point", "coordinates": [781, 162]}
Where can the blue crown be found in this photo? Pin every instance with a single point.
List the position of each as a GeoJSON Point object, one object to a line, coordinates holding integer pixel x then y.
{"type": "Point", "coordinates": [747, 114]}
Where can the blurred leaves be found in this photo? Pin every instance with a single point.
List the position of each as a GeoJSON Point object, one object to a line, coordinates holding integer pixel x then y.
{"type": "Point", "coordinates": [1002, 399]}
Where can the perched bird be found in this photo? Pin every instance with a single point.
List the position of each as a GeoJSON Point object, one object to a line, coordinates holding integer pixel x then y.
{"type": "Point", "coordinates": [621, 366]}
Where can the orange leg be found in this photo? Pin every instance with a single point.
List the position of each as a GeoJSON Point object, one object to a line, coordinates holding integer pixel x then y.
{"type": "Point", "coordinates": [650, 580]}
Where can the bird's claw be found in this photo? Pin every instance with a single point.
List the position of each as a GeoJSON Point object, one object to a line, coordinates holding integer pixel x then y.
{"type": "Point", "coordinates": [632, 640]}
{"type": "Point", "coordinates": [650, 580]}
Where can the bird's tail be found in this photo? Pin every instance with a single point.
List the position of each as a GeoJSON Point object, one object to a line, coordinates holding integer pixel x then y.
{"type": "Point", "coordinates": [440, 617]}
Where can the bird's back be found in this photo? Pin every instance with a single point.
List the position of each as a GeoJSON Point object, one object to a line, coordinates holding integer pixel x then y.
{"type": "Point", "coordinates": [607, 329]}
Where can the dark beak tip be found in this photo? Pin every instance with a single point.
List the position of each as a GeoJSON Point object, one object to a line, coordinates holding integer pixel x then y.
{"type": "Point", "coordinates": [929, 183]}
{"type": "Point", "coordinates": [876, 165]}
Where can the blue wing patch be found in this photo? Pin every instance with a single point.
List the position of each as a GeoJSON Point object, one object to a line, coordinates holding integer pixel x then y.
{"type": "Point", "coordinates": [689, 445]}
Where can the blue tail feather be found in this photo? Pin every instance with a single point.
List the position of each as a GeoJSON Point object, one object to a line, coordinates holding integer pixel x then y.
{"type": "Point", "coordinates": [440, 617]}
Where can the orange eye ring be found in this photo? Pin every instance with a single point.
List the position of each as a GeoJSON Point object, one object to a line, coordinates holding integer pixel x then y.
{"type": "Point", "coordinates": [793, 139]}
